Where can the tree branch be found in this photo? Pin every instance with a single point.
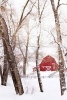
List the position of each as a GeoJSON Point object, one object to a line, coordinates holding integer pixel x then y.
{"type": "Point", "coordinates": [43, 9]}
{"type": "Point", "coordinates": [62, 4]}
{"type": "Point", "coordinates": [58, 4]}
{"type": "Point", "coordinates": [23, 12]}
{"type": "Point", "coordinates": [21, 20]}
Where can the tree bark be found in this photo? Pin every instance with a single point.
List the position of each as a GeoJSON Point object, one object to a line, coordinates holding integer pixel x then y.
{"type": "Point", "coordinates": [24, 66]}
{"type": "Point", "coordinates": [38, 71]}
{"type": "Point", "coordinates": [1, 73]}
{"type": "Point", "coordinates": [11, 58]}
{"type": "Point", "coordinates": [37, 51]}
{"type": "Point", "coordinates": [5, 68]}
{"type": "Point", "coordinates": [60, 54]}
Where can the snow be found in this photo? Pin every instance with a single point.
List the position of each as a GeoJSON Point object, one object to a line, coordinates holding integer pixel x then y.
{"type": "Point", "coordinates": [51, 88]}
{"type": "Point", "coordinates": [51, 85]}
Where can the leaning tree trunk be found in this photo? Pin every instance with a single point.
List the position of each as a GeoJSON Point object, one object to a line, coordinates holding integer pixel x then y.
{"type": "Point", "coordinates": [5, 68]}
{"type": "Point", "coordinates": [11, 57]}
{"type": "Point", "coordinates": [59, 41]}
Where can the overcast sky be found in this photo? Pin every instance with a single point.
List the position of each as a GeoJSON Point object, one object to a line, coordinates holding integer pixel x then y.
{"type": "Point", "coordinates": [48, 21]}
{"type": "Point", "coordinates": [47, 24]}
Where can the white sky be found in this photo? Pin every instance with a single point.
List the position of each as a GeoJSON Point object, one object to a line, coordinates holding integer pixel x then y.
{"type": "Point", "coordinates": [47, 25]}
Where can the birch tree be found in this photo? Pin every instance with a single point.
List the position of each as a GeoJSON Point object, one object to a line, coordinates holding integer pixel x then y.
{"type": "Point", "coordinates": [59, 41]}
{"type": "Point", "coordinates": [38, 42]}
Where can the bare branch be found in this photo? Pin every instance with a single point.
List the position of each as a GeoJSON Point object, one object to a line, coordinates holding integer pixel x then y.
{"type": "Point", "coordinates": [33, 4]}
{"type": "Point", "coordinates": [43, 9]}
{"type": "Point", "coordinates": [20, 22]}
{"type": "Point", "coordinates": [54, 37]}
{"type": "Point", "coordinates": [3, 2]}
{"type": "Point", "coordinates": [28, 12]}
{"type": "Point", "coordinates": [62, 4]}
{"type": "Point", "coordinates": [58, 4]}
{"type": "Point", "coordinates": [53, 5]}
{"type": "Point", "coordinates": [23, 12]}
{"type": "Point", "coordinates": [38, 8]}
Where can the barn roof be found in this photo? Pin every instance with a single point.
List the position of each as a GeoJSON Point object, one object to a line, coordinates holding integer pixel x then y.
{"type": "Point", "coordinates": [48, 58]}
{"type": "Point", "coordinates": [48, 62]}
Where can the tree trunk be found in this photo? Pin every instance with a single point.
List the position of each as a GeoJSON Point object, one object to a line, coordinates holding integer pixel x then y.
{"type": "Point", "coordinates": [59, 41]}
{"type": "Point", "coordinates": [24, 66]}
{"type": "Point", "coordinates": [1, 73]}
{"type": "Point", "coordinates": [37, 51]}
{"type": "Point", "coordinates": [38, 72]}
{"type": "Point", "coordinates": [11, 58]}
{"type": "Point", "coordinates": [26, 55]}
{"type": "Point", "coordinates": [5, 68]}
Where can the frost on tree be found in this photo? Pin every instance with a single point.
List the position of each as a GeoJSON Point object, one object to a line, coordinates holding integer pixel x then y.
{"type": "Point", "coordinates": [10, 57]}
{"type": "Point", "coordinates": [59, 42]}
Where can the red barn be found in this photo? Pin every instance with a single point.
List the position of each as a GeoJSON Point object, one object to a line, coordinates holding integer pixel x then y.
{"type": "Point", "coordinates": [48, 64]}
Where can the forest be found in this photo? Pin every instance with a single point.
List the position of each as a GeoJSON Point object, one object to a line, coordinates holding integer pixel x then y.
{"type": "Point", "coordinates": [29, 31]}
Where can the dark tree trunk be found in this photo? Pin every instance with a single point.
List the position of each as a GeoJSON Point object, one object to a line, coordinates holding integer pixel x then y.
{"type": "Point", "coordinates": [11, 58]}
{"type": "Point", "coordinates": [1, 73]}
{"type": "Point", "coordinates": [5, 68]}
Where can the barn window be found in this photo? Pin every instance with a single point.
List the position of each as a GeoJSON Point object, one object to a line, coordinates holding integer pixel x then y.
{"type": "Point", "coordinates": [48, 68]}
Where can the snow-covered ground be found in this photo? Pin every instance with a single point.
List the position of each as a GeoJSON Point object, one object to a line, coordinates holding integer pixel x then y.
{"type": "Point", "coordinates": [50, 85]}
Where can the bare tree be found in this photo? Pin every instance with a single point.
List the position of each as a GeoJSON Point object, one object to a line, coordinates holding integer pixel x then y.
{"type": "Point", "coordinates": [22, 18]}
{"type": "Point", "coordinates": [25, 54]}
{"type": "Point", "coordinates": [5, 66]}
{"type": "Point", "coordinates": [10, 57]}
{"type": "Point", "coordinates": [13, 41]}
{"type": "Point", "coordinates": [20, 24]}
{"type": "Point", "coordinates": [4, 11]}
{"type": "Point", "coordinates": [38, 43]}
{"type": "Point", "coordinates": [59, 41]}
